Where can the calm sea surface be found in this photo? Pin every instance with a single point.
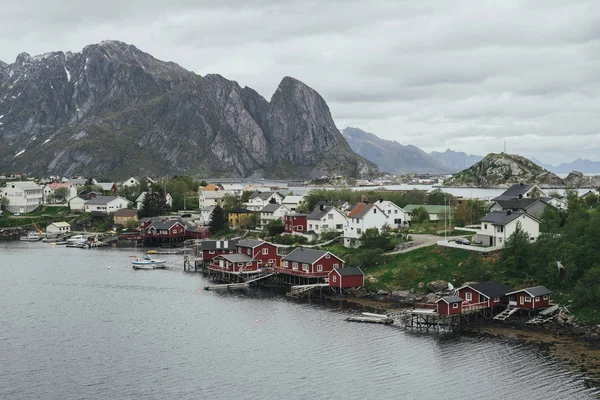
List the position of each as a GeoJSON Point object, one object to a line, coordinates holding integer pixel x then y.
{"type": "Point", "coordinates": [71, 328]}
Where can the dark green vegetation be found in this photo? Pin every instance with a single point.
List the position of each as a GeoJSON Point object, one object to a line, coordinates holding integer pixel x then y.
{"type": "Point", "coordinates": [154, 203]}
{"type": "Point", "coordinates": [401, 199]}
{"type": "Point", "coordinates": [41, 217]}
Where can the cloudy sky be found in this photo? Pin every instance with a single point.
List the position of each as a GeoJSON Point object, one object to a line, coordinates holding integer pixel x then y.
{"type": "Point", "coordinates": [467, 75]}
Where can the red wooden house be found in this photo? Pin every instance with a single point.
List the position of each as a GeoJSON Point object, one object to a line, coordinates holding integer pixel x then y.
{"type": "Point", "coordinates": [197, 232]}
{"type": "Point", "coordinates": [295, 223]}
{"type": "Point", "coordinates": [166, 228]}
{"type": "Point", "coordinates": [213, 248]}
{"type": "Point", "coordinates": [449, 305]}
{"type": "Point", "coordinates": [235, 262]}
{"type": "Point", "coordinates": [483, 295]}
{"type": "Point", "coordinates": [343, 278]}
{"type": "Point", "coordinates": [309, 263]}
{"type": "Point", "coordinates": [530, 298]}
{"type": "Point", "coordinates": [264, 252]}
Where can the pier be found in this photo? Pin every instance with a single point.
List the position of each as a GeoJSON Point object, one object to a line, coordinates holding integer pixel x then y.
{"type": "Point", "coordinates": [428, 319]}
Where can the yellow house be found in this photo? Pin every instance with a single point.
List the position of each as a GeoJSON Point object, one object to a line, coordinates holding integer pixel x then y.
{"type": "Point", "coordinates": [239, 217]}
{"type": "Point", "coordinates": [123, 216]}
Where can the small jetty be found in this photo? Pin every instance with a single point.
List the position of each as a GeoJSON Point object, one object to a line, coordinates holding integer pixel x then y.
{"type": "Point", "coordinates": [227, 286]}
{"type": "Point", "coordinates": [372, 319]}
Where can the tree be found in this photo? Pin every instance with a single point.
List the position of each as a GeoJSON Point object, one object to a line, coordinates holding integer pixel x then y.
{"type": "Point", "coordinates": [61, 194]}
{"type": "Point", "coordinates": [420, 215]}
{"type": "Point", "coordinates": [587, 291]}
{"type": "Point", "coordinates": [416, 196]}
{"type": "Point", "coordinates": [4, 201]}
{"type": "Point", "coordinates": [469, 212]}
{"type": "Point", "coordinates": [232, 202]}
{"type": "Point", "coordinates": [218, 221]}
{"type": "Point", "coordinates": [275, 227]}
{"type": "Point", "coordinates": [515, 253]}
{"type": "Point", "coordinates": [154, 203]}
{"type": "Point", "coordinates": [372, 238]}
{"type": "Point", "coordinates": [131, 193]}
{"type": "Point", "coordinates": [437, 197]}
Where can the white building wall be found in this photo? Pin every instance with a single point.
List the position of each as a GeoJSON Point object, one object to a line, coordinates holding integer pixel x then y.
{"type": "Point", "coordinates": [22, 200]}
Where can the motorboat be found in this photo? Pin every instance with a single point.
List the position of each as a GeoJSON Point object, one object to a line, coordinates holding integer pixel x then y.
{"type": "Point", "coordinates": [31, 237]}
{"type": "Point", "coordinates": [148, 262]}
{"type": "Point", "coordinates": [78, 240]}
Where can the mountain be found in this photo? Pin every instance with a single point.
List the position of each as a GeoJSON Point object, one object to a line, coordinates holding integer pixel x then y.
{"type": "Point", "coordinates": [585, 166]}
{"type": "Point", "coordinates": [455, 160]}
{"type": "Point", "coordinates": [502, 170]}
{"type": "Point", "coordinates": [115, 111]}
{"type": "Point", "coordinates": [391, 156]}
{"type": "Point", "coordinates": [3, 64]}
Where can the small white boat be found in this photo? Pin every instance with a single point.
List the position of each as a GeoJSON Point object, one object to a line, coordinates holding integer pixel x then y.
{"type": "Point", "coordinates": [148, 263]}
{"type": "Point", "coordinates": [75, 241]}
{"type": "Point", "coordinates": [30, 237]}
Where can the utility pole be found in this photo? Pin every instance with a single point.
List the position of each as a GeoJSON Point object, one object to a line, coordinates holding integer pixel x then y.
{"type": "Point", "coordinates": [445, 229]}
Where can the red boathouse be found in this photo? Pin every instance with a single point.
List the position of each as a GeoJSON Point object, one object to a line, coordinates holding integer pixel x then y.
{"type": "Point", "coordinates": [295, 223]}
{"type": "Point", "coordinates": [530, 298]}
{"type": "Point", "coordinates": [344, 278]}
{"type": "Point", "coordinates": [483, 295]}
{"type": "Point", "coordinates": [449, 305]}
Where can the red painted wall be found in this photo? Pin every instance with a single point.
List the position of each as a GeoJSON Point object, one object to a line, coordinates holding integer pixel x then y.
{"type": "Point", "coordinates": [448, 309]}
{"type": "Point", "coordinates": [346, 281]}
{"type": "Point", "coordinates": [206, 256]}
{"type": "Point", "coordinates": [476, 297]}
{"type": "Point", "coordinates": [291, 223]}
{"type": "Point", "coordinates": [541, 303]}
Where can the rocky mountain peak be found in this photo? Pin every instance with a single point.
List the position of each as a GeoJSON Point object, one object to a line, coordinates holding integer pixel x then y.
{"type": "Point", "coordinates": [3, 64]}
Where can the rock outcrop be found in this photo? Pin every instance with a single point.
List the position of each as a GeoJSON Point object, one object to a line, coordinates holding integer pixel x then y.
{"type": "Point", "coordinates": [504, 170]}
{"type": "Point", "coordinates": [113, 111]}
{"type": "Point", "coordinates": [576, 179]}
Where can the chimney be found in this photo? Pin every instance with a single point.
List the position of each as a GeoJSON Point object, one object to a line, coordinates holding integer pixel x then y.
{"type": "Point", "coordinates": [520, 196]}
{"type": "Point", "coordinates": [321, 207]}
{"type": "Point", "coordinates": [381, 200]}
{"type": "Point", "coordinates": [508, 212]}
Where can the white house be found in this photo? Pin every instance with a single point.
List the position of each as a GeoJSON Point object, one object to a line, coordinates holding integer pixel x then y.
{"type": "Point", "coordinates": [497, 226]}
{"type": "Point", "coordinates": [23, 196]}
{"type": "Point", "coordinates": [397, 217]}
{"type": "Point", "coordinates": [325, 219]}
{"type": "Point", "coordinates": [272, 212]}
{"type": "Point", "coordinates": [235, 189]}
{"type": "Point", "coordinates": [131, 182]}
{"type": "Point", "coordinates": [293, 202]}
{"type": "Point", "coordinates": [104, 205]}
{"type": "Point", "coordinates": [140, 200]}
{"type": "Point", "coordinates": [58, 227]}
{"type": "Point", "coordinates": [206, 214]}
{"type": "Point", "coordinates": [207, 198]}
{"type": "Point", "coordinates": [51, 188]}
{"type": "Point", "coordinates": [258, 200]}
{"type": "Point", "coordinates": [362, 217]}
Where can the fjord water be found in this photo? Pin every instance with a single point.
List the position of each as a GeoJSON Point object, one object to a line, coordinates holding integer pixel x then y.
{"type": "Point", "coordinates": [72, 328]}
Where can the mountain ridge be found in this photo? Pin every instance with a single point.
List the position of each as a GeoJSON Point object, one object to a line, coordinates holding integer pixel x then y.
{"type": "Point", "coordinates": [114, 110]}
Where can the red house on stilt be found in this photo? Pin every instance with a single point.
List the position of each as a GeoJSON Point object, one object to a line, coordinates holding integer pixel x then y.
{"type": "Point", "coordinates": [530, 298]}
{"type": "Point", "coordinates": [345, 278]}
{"type": "Point", "coordinates": [449, 305]}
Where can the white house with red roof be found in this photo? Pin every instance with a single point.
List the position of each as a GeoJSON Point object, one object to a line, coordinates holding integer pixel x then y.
{"type": "Point", "coordinates": [51, 188]}
{"type": "Point", "coordinates": [363, 216]}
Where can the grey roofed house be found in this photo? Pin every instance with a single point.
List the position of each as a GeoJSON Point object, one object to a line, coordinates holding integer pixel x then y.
{"type": "Point", "coordinates": [305, 256]}
{"type": "Point", "coordinates": [319, 213]}
{"type": "Point", "coordinates": [270, 208]}
{"type": "Point", "coordinates": [451, 299]}
{"type": "Point", "coordinates": [335, 203]}
{"type": "Point", "coordinates": [490, 289]}
{"type": "Point", "coordinates": [236, 258]}
{"type": "Point", "coordinates": [223, 244]}
{"type": "Point", "coordinates": [352, 271]}
{"type": "Point", "coordinates": [516, 203]}
{"type": "Point", "coordinates": [516, 191]}
{"type": "Point", "coordinates": [250, 243]}
{"type": "Point", "coordinates": [502, 218]}
{"type": "Point", "coordinates": [101, 199]}
{"type": "Point", "coordinates": [534, 291]}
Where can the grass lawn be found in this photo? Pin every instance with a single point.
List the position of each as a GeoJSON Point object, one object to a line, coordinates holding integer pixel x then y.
{"type": "Point", "coordinates": [406, 271]}
{"type": "Point", "coordinates": [42, 215]}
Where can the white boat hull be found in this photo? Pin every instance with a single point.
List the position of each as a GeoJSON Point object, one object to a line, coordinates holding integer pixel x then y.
{"type": "Point", "coordinates": [148, 264]}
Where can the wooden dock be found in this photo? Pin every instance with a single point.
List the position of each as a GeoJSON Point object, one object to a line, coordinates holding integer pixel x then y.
{"type": "Point", "coordinates": [372, 319]}
{"type": "Point", "coordinates": [227, 286]}
{"type": "Point", "coordinates": [427, 319]}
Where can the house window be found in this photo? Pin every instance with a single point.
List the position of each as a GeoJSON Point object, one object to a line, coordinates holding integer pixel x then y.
{"type": "Point", "coordinates": [334, 278]}
{"type": "Point", "coordinates": [317, 227]}
{"type": "Point", "coordinates": [455, 305]}
{"type": "Point", "coordinates": [484, 226]}
{"type": "Point", "coordinates": [265, 251]}
{"type": "Point", "coordinates": [537, 299]}
{"type": "Point", "coordinates": [285, 264]}
{"type": "Point", "coordinates": [249, 263]}
{"type": "Point", "coordinates": [270, 261]}
{"type": "Point", "coordinates": [310, 226]}
{"type": "Point", "coordinates": [339, 226]}
{"type": "Point", "coordinates": [295, 266]}
{"type": "Point", "coordinates": [328, 256]}
{"type": "Point", "coordinates": [211, 252]}
{"type": "Point", "coordinates": [299, 227]}
{"type": "Point", "coordinates": [527, 299]}
{"type": "Point", "coordinates": [496, 299]}
{"type": "Point", "coordinates": [305, 267]}
{"type": "Point", "coordinates": [545, 297]}
{"type": "Point", "coordinates": [320, 268]}
{"type": "Point", "coordinates": [389, 211]}
{"type": "Point", "coordinates": [336, 265]}
{"type": "Point", "coordinates": [358, 231]}
{"type": "Point", "coordinates": [374, 211]}
{"type": "Point", "coordinates": [395, 211]}
{"type": "Point", "coordinates": [249, 251]}
{"type": "Point", "coordinates": [468, 296]}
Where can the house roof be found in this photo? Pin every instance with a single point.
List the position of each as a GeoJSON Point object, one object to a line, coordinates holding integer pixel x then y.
{"type": "Point", "coordinates": [223, 244]}
{"type": "Point", "coordinates": [502, 218]}
{"type": "Point", "coordinates": [360, 210]}
{"type": "Point", "coordinates": [293, 199]}
{"type": "Point", "coordinates": [197, 228]}
{"type": "Point", "coordinates": [161, 225]}
{"type": "Point", "coordinates": [516, 203]}
{"type": "Point", "coordinates": [431, 209]}
{"type": "Point", "coordinates": [451, 299]}
{"type": "Point", "coordinates": [25, 185]}
{"type": "Point", "coordinates": [210, 188]}
{"type": "Point", "coordinates": [236, 257]}
{"type": "Point", "coordinates": [514, 192]}
{"type": "Point", "coordinates": [250, 243]}
{"type": "Point", "coordinates": [353, 271]}
{"type": "Point", "coordinates": [296, 215]}
{"type": "Point", "coordinates": [490, 288]}
{"type": "Point", "coordinates": [262, 195]}
{"type": "Point", "coordinates": [270, 208]}
{"type": "Point", "coordinates": [212, 194]}
{"type": "Point", "coordinates": [125, 212]}
{"type": "Point", "coordinates": [317, 213]}
{"type": "Point", "coordinates": [105, 185]}
{"type": "Point", "coordinates": [534, 291]}
{"type": "Point", "coordinates": [56, 185]}
{"type": "Point", "coordinates": [240, 211]}
{"type": "Point", "coordinates": [102, 199]}
{"type": "Point", "coordinates": [305, 256]}
{"type": "Point", "coordinates": [336, 203]}
{"type": "Point", "coordinates": [61, 224]}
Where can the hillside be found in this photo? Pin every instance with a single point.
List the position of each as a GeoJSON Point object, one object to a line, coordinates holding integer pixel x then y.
{"type": "Point", "coordinates": [115, 111]}
{"type": "Point", "coordinates": [503, 170]}
{"type": "Point", "coordinates": [391, 156]}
